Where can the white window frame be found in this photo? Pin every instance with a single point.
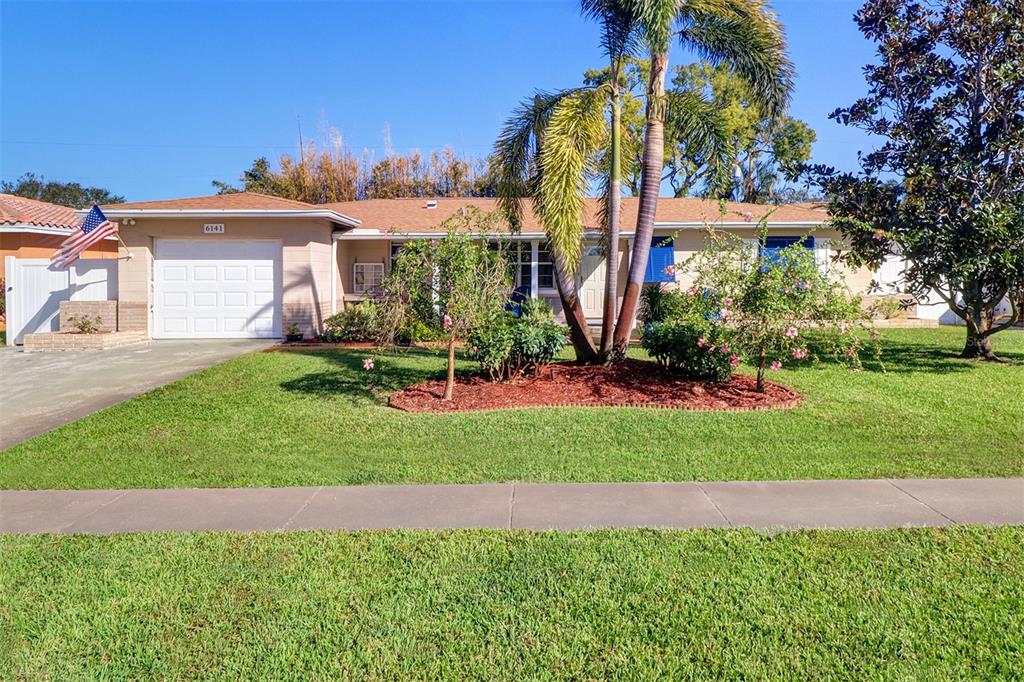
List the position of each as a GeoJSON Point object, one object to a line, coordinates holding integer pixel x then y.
{"type": "Point", "coordinates": [369, 269]}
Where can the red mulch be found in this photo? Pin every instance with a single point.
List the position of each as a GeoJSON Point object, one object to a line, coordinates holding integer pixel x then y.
{"type": "Point", "coordinates": [633, 383]}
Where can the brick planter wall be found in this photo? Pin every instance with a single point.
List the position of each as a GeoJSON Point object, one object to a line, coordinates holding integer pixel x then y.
{"type": "Point", "coordinates": [105, 310]}
{"type": "Point", "coordinates": [54, 341]}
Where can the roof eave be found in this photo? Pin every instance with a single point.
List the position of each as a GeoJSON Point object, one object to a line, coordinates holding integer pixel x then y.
{"type": "Point", "coordinates": [333, 216]}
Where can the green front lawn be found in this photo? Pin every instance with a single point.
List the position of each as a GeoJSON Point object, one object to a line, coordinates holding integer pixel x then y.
{"type": "Point", "coordinates": [922, 604]}
{"type": "Point", "coordinates": [311, 418]}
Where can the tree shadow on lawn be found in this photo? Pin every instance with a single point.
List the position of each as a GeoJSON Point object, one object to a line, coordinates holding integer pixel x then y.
{"type": "Point", "coordinates": [903, 357]}
{"type": "Point", "coordinates": [360, 385]}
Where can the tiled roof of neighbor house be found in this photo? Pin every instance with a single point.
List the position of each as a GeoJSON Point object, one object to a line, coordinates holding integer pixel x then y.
{"type": "Point", "coordinates": [239, 201]}
{"type": "Point", "coordinates": [412, 215]}
{"type": "Point", "coordinates": [15, 210]}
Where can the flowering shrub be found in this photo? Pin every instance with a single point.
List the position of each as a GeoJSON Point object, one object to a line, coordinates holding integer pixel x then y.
{"type": "Point", "coordinates": [516, 345]}
{"type": "Point", "coordinates": [766, 306]}
{"type": "Point", "coordinates": [698, 351]}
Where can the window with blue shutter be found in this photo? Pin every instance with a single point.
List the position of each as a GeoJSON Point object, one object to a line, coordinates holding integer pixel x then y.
{"type": "Point", "coordinates": [662, 255]}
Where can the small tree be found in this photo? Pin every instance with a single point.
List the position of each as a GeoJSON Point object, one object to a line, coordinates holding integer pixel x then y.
{"type": "Point", "coordinates": [765, 302]}
{"type": "Point", "coordinates": [456, 283]}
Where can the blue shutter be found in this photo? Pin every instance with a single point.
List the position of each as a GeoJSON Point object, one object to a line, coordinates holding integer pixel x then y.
{"type": "Point", "coordinates": [661, 256]}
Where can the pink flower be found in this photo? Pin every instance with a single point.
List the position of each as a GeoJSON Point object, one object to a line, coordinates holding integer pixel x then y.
{"type": "Point", "coordinates": [725, 348]}
{"type": "Point", "coordinates": [725, 313]}
{"type": "Point", "coordinates": [692, 291]}
{"type": "Point", "coordinates": [878, 235]}
{"type": "Point", "coordinates": [368, 364]}
{"type": "Point", "coordinates": [748, 217]}
{"type": "Point", "coordinates": [799, 353]}
{"type": "Point", "coordinates": [734, 360]}
{"type": "Point", "coordinates": [711, 349]}
{"type": "Point", "coordinates": [670, 270]}
{"type": "Point", "coordinates": [727, 303]}
{"type": "Point", "coordinates": [446, 322]}
{"type": "Point", "coordinates": [791, 332]}
{"type": "Point", "coordinates": [701, 341]}
{"type": "Point", "coordinates": [775, 366]}
{"type": "Point", "coordinates": [850, 352]}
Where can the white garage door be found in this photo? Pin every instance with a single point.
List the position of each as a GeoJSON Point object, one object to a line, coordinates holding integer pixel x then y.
{"type": "Point", "coordinates": [216, 289]}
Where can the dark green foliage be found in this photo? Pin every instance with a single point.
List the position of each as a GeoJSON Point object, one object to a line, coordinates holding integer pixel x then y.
{"type": "Point", "coordinates": [61, 193]}
{"type": "Point", "coordinates": [513, 346]}
{"type": "Point", "coordinates": [943, 187]}
{"type": "Point", "coordinates": [682, 347]}
{"type": "Point", "coordinates": [360, 322]}
{"type": "Point", "coordinates": [658, 304]}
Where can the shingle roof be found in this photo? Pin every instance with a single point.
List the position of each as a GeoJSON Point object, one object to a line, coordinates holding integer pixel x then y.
{"type": "Point", "coordinates": [15, 210]}
{"type": "Point", "coordinates": [412, 215]}
{"type": "Point", "coordinates": [239, 201]}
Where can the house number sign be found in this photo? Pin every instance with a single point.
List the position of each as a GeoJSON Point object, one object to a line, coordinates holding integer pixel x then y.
{"type": "Point", "coordinates": [213, 228]}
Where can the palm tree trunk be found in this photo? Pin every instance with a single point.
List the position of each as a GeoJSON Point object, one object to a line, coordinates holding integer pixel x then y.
{"type": "Point", "coordinates": [579, 332]}
{"type": "Point", "coordinates": [611, 289]}
{"type": "Point", "coordinates": [650, 187]}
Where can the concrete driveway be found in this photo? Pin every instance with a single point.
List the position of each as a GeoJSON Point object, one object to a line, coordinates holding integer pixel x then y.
{"type": "Point", "coordinates": [41, 391]}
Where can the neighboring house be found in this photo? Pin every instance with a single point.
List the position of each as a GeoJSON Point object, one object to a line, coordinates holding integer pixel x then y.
{"type": "Point", "coordinates": [250, 265]}
{"type": "Point", "coordinates": [31, 230]}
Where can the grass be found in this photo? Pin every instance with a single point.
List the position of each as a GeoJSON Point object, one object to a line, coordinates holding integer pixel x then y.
{"type": "Point", "coordinates": [914, 604]}
{"type": "Point", "coordinates": [316, 418]}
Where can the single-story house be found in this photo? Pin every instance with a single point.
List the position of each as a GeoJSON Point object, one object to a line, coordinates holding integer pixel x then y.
{"type": "Point", "coordinates": [31, 231]}
{"type": "Point", "coordinates": [250, 265]}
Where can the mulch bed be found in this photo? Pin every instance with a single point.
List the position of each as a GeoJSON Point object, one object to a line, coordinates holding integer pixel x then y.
{"type": "Point", "coordinates": [633, 383]}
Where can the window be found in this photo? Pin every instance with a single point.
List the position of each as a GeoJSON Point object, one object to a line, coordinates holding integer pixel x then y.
{"type": "Point", "coordinates": [367, 277]}
{"type": "Point", "coordinates": [773, 246]}
{"type": "Point", "coordinates": [545, 268]}
{"type": "Point", "coordinates": [395, 248]}
{"type": "Point", "coordinates": [662, 255]}
{"type": "Point", "coordinates": [522, 254]}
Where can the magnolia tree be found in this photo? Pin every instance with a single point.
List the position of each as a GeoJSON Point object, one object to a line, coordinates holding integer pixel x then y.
{"type": "Point", "coordinates": [763, 307]}
{"type": "Point", "coordinates": [456, 283]}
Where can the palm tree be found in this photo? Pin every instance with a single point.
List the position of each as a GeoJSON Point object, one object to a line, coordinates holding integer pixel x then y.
{"type": "Point", "coordinates": [617, 37]}
{"type": "Point", "coordinates": [545, 153]}
{"type": "Point", "coordinates": [742, 34]}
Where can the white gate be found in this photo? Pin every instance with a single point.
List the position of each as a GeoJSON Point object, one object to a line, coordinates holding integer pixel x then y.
{"type": "Point", "coordinates": [35, 289]}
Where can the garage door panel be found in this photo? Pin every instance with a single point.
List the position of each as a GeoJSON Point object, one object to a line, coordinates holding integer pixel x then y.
{"type": "Point", "coordinates": [209, 289]}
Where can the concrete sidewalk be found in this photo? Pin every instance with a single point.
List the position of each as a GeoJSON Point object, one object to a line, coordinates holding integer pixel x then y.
{"type": "Point", "coordinates": [563, 506]}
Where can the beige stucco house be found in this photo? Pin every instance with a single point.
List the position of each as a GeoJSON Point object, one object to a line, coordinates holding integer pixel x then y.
{"type": "Point", "coordinates": [250, 265]}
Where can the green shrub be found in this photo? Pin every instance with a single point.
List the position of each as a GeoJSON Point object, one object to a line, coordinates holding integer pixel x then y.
{"type": "Point", "coordinates": [416, 331]}
{"type": "Point", "coordinates": [658, 304]}
{"type": "Point", "coordinates": [516, 345]}
{"type": "Point", "coordinates": [699, 351]}
{"type": "Point", "coordinates": [360, 322]}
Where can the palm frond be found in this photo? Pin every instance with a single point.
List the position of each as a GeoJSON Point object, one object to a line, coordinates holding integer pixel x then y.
{"type": "Point", "coordinates": [515, 162]}
{"type": "Point", "coordinates": [574, 134]}
{"type": "Point", "coordinates": [747, 37]}
{"type": "Point", "coordinates": [619, 34]}
{"type": "Point", "coordinates": [700, 123]}
{"type": "Point", "coordinates": [653, 21]}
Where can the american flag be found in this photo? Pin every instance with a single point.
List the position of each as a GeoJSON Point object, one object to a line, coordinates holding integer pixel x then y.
{"type": "Point", "coordinates": [94, 228]}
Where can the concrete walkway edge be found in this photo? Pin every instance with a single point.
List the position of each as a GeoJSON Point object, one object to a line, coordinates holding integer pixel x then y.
{"type": "Point", "coordinates": [882, 503]}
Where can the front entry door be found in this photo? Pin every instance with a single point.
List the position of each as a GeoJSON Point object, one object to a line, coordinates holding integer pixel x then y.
{"type": "Point", "coordinates": [593, 276]}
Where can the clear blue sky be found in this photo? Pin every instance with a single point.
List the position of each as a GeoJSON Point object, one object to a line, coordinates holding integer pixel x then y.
{"type": "Point", "coordinates": [156, 99]}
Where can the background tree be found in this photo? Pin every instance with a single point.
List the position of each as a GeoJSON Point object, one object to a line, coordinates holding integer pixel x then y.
{"type": "Point", "coordinates": [330, 172]}
{"type": "Point", "coordinates": [456, 283]}
{"type": "Point", "coordinates": [61, 193]}
{"type": "Point", "coordinates": [759, 153]}
{"type": "Point", "coordinates": [945, 189]}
